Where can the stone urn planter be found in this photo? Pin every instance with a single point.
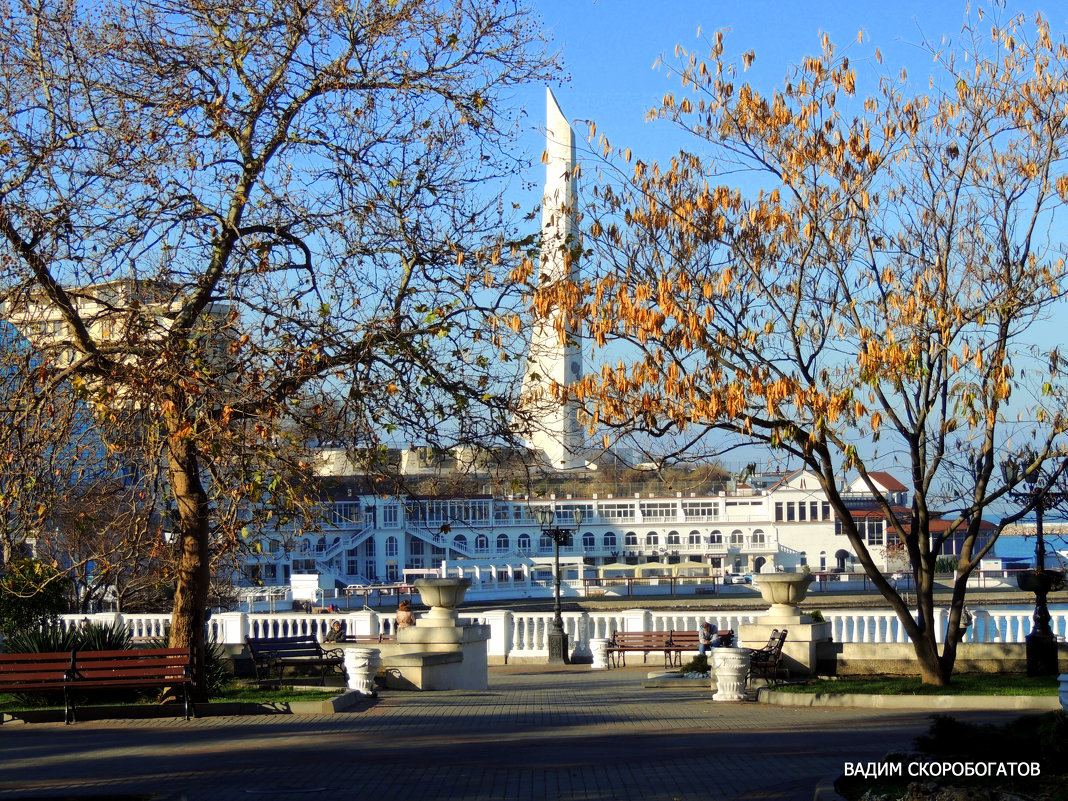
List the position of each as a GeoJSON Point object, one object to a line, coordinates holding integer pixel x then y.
{"type": "Point", "coordinates": [361, 665]}
{"type": "Point", "coordinates": [730, 666]}
{"type": "Point", "coordinates": [784, 591]}
{"type": "Point", "coordinates": [442, 595]}
{"type": "Point", "coordinates": [599, 648]}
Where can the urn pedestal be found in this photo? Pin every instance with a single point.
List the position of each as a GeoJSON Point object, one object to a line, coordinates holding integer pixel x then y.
{"type": "Point", "coordinates": [730, 667]}
{"type": "Point", "coordinates": [361, 665]}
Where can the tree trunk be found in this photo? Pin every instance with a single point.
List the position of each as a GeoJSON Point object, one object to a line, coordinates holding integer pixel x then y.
{"type": "Point", "coordinates": [191, 593]}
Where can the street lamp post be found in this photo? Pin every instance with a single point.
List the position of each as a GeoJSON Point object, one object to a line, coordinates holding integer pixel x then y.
{"type": "Point", "coordinates": [1041, 642]}
{"type": "Point", "coordinates": [559, 653]}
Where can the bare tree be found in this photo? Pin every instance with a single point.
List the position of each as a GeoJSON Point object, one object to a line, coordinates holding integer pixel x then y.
{"type": "Point", "coordinates": [220, 219]}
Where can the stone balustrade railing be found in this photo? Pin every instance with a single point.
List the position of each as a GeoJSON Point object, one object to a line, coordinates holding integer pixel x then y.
{"type": "Point", "coordinates": [523, 634]}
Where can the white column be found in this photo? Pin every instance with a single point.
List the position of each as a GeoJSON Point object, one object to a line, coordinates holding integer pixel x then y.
{"type": "Point", "coordinates": [500, 640]}
{"type": "Point", "coordinates": [232, 627]}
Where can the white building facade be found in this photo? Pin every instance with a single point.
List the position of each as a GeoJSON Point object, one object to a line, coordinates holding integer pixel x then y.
{"type": "Point", "coordinates": [497, 542]}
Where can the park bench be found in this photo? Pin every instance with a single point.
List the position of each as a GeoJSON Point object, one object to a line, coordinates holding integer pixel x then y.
{"type": "Point", "coordinates": [73, 672]}
{"type": "Point", "coordinates": [624, 642]}
{"type": "Point", "coordinates": [302, 651]}
{"type": "Point", "coordinates": [371, 639]}
{"type": "Point", "coordinates": [687, 640]}
{"type": "Point", "coordinates": [767, 661]}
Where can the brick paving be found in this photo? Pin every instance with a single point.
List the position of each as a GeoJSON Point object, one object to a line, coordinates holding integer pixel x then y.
{"type": "Point", "coordinates": [536, 734]}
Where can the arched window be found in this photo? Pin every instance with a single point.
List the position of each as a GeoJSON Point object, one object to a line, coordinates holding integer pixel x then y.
{"type": "Point", "coordinates": [737, 539]}
{"type": "Point", "coordinates": [609, 541]}
{"type": "Point", "coordinates": [652, 539]}
{"type": "Point", "coordinates": [545, 543]}
{"type": "Point", "coordinates": [695, 539]}
{"type": "Point", "coordinates": [758, 538]}
{"type": "Point", "coordinates": [673, 538]}
{"type": "Point", "coordinates": [524, 542]}
{"type": "Point", "coordinates": [715, 538]}
{"type": "Point", "coordinates": [502, 543]}
{"type": "Point", "coordinates": [459, 542]}
{"type": "Point", "coordinates": [588, 540]}
{"type": "Point", "coordinates": [482, 543]}
{"type": "Point", "coordinates": [631, 540]}
{"type": "Point", "coordinates": [803, 557]}
{"type": "Point", "coordinates": [391, 546]}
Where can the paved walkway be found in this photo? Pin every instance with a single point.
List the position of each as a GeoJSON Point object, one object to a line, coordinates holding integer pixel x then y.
{"type": "Point", "coordinates": [537, 734]}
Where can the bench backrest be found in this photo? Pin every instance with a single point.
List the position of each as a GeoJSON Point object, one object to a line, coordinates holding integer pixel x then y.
{"type": "Point", "coordinates": [27, 671]}
{"type": "Point", "coordinates": [282, 647]}
{"type": "Point", "coordinates": [148, 664]}
{"type": "Point", "coordinates": [639, 639]}
{"type": "Point", "coordinates": [687, 638]}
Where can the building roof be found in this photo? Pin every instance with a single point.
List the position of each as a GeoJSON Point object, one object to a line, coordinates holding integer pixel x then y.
{"type": "Point", "coordinates": [886, 481]}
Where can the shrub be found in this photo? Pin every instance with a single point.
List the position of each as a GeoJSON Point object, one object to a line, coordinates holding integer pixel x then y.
{"type": "Point", "coordinates": [816, 615]}
{"type": "Point", "coordinates": [32, 594]}
{"type": "Point", "coordinates": [699, 664]}
{"type": "Point", "coordinates": [217, 672]}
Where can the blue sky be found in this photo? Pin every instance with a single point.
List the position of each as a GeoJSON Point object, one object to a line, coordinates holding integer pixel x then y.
{"type": "Point", "coordinates": [609, 48]}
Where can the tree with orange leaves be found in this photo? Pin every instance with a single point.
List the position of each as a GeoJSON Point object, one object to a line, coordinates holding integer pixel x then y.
{"type": "Point", "coordinates": [867, 292]}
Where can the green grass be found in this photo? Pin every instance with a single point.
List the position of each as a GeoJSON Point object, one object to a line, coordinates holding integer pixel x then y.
{"type": "Point", "coordinates": [248, 693]}
{"type": "Point", "coordinates": [969, 684]}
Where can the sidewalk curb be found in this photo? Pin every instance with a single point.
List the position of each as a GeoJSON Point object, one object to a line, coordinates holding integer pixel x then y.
{"type": "Point", "coordinates": [934, 703]}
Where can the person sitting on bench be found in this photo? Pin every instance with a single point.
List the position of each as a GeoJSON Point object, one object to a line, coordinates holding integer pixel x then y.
{"type": "Point", "coordinates": [707, 637]}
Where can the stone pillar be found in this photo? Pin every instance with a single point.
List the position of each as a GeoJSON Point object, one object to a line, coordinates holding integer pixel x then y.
{"type": "Point", "coordinates": [636, 620]}
{"type": "Point", "coordinates": [232, 627]}
{"type": "Point", "coordinates": [362, 623]}
{"type": "Point", "coordinates": [501, 632]}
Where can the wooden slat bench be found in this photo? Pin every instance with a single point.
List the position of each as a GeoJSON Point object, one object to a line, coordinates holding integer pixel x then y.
{"type": "Point", "coordinates": [73, 672]}
{"type": "Point", "coordinates": [371, 639]}
{"type": "Point", "coordinates": [624, 642]}
{"type": "Point", "coordinates": [302, 651]}
{"type": "Point", "coordinates": [687, 640]}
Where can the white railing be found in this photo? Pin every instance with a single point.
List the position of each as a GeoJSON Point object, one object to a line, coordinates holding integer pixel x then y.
{"type": "Point", "coordinates": [524, 634]}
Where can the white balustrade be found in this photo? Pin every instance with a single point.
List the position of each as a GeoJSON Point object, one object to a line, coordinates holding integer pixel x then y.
{"type": "Point", "coordinates": [517, 635]}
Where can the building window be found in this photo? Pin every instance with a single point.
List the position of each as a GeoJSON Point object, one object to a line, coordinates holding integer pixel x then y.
{"type": "Point", "coordinates": [778, 511]}
{"type": "Point", "coordinates": [482, 543]}
{"type": "Point", "coordinates": [588, 540]}
{"type": "Point", "coordinates": [803, 557]}
{"type": "Point", "coordinates": [391, 546]}
{"type": "Point", "coordinates": [524, 543]}
{"type": "Point", "coordinates": [609, 540]}
{"type": "Point", "coordinates": [826, 510]}
{"type": "Point", "coordinates": [695, 539]}
{"type": "Point", "coordinates": [631, 540]}
{"type": "Point", "coordinates": [715, 538]}
{"type": "Point", "coordinates": [545, 543]}
{"type": "Point", "coordinates": [652, 539]}
{"type": "Point", "coordinates": [459, 542]}
{"type": "Point", "coordinates": [814, 510]}
{"type": "Point", "coordinates": [673, 538]}
{"type": "Point", "coordinates": [390, 515]}
{"type": "Point", "coordinates": [791, 512]}
{"type": "Point", "coordinates": [502, 543]}
{"type": "Point", "coordinates": [802, 511]}
{"type": "Point", "coordinates": [416, 546]}
{"type": "Point", "coordinates": [737, 539]}
{"type": "Point", "coordinates": [758, 539]}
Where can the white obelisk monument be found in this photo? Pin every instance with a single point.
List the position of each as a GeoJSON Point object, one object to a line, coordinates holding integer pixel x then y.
{"type": "Point", "coordinates": [555, 429]}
